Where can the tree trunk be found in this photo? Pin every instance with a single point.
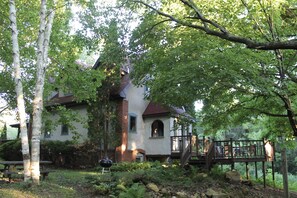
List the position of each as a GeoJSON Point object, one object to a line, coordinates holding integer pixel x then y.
{"type": "Point", "coordinates": [42, 56]}
{"type": "Point", "coordinates": [19, 91]}
{"type": "Point", "coordinates": [285, 172]}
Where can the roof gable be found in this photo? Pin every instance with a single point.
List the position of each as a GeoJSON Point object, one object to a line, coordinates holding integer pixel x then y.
{"type": "Point", "coordinates": [154, 110]}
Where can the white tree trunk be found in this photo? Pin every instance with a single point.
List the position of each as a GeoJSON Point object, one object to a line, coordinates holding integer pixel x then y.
{"type": "Point", "coordinates": [19, 91]}
{"type": "Point", "coordinates": [42, 56]}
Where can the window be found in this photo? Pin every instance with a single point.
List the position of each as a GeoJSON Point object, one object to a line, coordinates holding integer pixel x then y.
{"type": "Point", "coordinates": [157, 129]}
{"type": "Point", "coordinates": [132, 123]}
{"type": "Point", "coordinates": [64, 130]}
{"type": "Point", "coordinates": [146, 91]}
{"type": "Point", "coordinates": [47, 134]}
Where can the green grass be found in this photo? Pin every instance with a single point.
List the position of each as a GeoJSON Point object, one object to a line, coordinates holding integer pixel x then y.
{"type": "Point", "coordinates": [61, 183]}
{"type": "Point", "coordinates": [131, 183]}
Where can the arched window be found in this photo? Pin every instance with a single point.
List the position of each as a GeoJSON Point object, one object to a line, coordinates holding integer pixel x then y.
{"type": "Point", "coordinates": [157, 128]}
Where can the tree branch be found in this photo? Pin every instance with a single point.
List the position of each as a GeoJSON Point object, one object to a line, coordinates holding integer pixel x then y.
{"type": "Point", "coordinates": [222, 33]}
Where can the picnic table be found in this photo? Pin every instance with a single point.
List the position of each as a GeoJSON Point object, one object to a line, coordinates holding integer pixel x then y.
{"type": "Point", "coordinates": [16, 167]}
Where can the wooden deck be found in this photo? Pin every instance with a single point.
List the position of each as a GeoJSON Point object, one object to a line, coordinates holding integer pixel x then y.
{"type": "Point", "coordinates": [206, 152]}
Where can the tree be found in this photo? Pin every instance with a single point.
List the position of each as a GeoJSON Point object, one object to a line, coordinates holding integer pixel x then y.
{"type": "Point", "coordinates": [30, 64]}
{"type": "Point", "coordinates": [204, 67]}
{"type": "Point", "coordinates": [42, 56]}
{"type": "Point", "coordinates": [235, 21]}
{"type": "Point", "coordinates": [4, 132]}
{"type": "Point", "coordinates": [104, 124]}
{"type": "Point", "coordinates": [187, 51]}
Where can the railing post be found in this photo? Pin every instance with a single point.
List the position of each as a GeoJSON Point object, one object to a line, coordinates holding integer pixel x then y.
{"type": "Point", "coordinates": [171, 143]}
{"type": "Point", "coordinates": [191, 142]}
{"type": "Point", "coordinates": [203, 144]}
{"type": "Point", "coordinates": [263, 149]}
{"type": "Point", "coordinates": [197, 145]}
{"type": "Point", "coordinates": [231, 144]}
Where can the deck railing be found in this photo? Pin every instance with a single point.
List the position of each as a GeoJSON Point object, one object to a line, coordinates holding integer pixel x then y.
{"type": "Point", "coordinates": [179, 143]}
{"type": "Point", "coordinates": [220, 149]}
{"type": "Point", "coordinates": [239, 149]}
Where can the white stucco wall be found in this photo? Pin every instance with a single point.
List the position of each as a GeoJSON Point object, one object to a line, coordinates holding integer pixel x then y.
{"type": "Point", "coordinates": [157, 145]}
{"type": "Point", "coordinates": [81, 111]}
{"type": "Point", "coordinates": [136, 106]}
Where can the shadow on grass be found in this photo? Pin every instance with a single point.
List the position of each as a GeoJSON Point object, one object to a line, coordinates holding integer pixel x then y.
{"type": "Point", "coordinates": [61, 183]}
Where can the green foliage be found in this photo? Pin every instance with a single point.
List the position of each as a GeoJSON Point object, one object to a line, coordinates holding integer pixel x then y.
{"type": "Point", "coordinates": [104, 127]}
{"type": "Point", "coordinates": [131, 166]}
{"type": "Point", "coordinates": [181, 64]}
{"type": "Point", "coordinates": [70, 153]}
{"type": "Point", "coordinates": [135, 191]}
{"type": "Point", "coordinates": [11, 150]}
{"type": "Point", "coordinates": [3, 133]}
{"type": "Point", "coordinates": [66, 153]}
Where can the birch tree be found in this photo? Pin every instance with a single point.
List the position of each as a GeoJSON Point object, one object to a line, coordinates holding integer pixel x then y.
{"type": "Point", "coordinates": [31, 165]}
{"type": "Point", "coordinates": [42, 61]}
{"type": "Point", "coordinates": [19, 91]}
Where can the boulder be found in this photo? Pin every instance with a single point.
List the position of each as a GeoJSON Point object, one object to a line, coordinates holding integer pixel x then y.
{"type": "Point", "coordinates": [233, 176]}
{"type": "Point", "coordinates": [152, 187]}
{"type": "Point", "coordinates": [181, 194]}
{"type": "Point", "coordinates": [214, 194]}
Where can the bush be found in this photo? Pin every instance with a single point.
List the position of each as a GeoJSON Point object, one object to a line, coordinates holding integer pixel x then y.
{"type": "Point", "coordinates": [70, 154]}
{"type": "Point", "coordinates": [130, 166]}
{"type": "Point", "coordinates": [66, 154]}
{"type": "Point", "coordinates": [135, 191]}
{"type": "Point", "coordinates": [11, 150]}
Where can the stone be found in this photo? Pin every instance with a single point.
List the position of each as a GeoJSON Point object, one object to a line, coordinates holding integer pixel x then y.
{"type": "Point", "coordinates": [164, 191]}
{"type": "Point", "coordinates": [214, 194]}
{"type": "Point", "coordinates": [181, 194]}
{"type": "Point", "coordinates": [233, 176]}
{"type": "Point", "coordinates": [153, 187]}
{"type": "Point", "coordinates": [203, 175]}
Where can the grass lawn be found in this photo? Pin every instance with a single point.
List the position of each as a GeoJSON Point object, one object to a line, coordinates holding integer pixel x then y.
{"type": "Point", "coordinates": [138, 180]}
{"type": "Point", "coordinates": [61, 183]}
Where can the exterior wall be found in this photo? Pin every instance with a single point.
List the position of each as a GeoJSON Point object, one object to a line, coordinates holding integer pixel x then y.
{"type": "Point", "coordinates": [55, 134]}
{"type": "Point", "coordinates": [122, 153]}
{"type": "Point", "coordinates": [157, 145]}
{"type": "Point", "coordinates": [136, 107]}
{"type": "Point", "coordinates": [136, 144]}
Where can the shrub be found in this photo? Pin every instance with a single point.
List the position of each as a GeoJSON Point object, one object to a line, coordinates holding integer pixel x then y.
{"type": "Point", "coordinates": [66, 154]}
{"type": "Point", "coordinates": [135, 191]}
{"type": "Point", "coordinates": [130, 166]}
{"type": "Point", "coordinates": [11, 150]}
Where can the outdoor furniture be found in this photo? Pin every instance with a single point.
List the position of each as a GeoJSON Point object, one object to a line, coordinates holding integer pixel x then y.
{"type": "Point", "coordinates": [16, 168]}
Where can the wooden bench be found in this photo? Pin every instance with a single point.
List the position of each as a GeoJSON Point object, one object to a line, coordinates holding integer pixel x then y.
{"type": "Point", "coordinates": [45, 173]}
{"type": "Point", "coordinates": [8, 174]}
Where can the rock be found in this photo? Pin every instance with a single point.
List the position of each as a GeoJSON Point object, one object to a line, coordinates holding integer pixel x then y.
{"type": "Point", "coordinates": [203, 175]}
{"type": "Point", "coordinates": [247, 182]}
{"type": "Point", "coordinates": [212, 193]}
{"type": "Point", "coordinates": [233, 176]}
{"type": "Point", "coordinates": [153, 187]}
{"type": "Point", "coordinates": [181, 194]}
{"type": "Point", "coordinates": [196, 195]}
{"type": "Point", "coordinates": [164, 191]}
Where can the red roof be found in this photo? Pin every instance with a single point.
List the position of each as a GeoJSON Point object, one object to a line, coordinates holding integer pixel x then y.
{"type": "Point", "coordinates": [56, 100]}
{"type": "Point", "coordinates": [154, 109]}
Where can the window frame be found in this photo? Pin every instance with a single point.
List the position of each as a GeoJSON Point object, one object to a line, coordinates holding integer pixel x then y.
{"type": "Point", "coordinates": [160, 125]}
{"type": "Point", "coordinates": [132, 115]}
{"type": "Point", "coordinates": [64, 129]}
{"type": "Point", "coordinates": [47, 134]}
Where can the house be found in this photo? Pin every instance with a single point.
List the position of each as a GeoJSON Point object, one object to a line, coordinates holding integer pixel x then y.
{"type": "Point", "coordinates": [149, 131]}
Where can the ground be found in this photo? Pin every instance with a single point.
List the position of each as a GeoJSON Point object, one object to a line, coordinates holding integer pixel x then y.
{"type": "Point", "coordinates": [157, 182]}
